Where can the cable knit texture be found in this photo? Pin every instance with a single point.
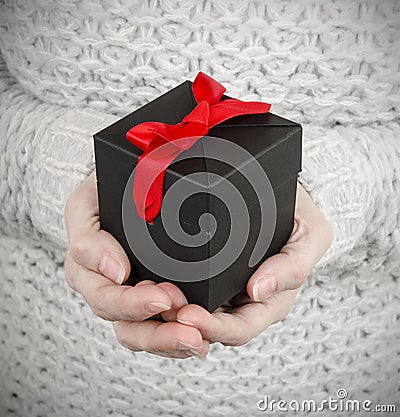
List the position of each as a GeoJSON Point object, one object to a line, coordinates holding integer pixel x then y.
{"type": "Point", "coordinates": [71, 67]}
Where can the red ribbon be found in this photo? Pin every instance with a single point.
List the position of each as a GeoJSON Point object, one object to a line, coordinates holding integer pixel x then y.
{"type": "Point", "coordinates": [151, 136]}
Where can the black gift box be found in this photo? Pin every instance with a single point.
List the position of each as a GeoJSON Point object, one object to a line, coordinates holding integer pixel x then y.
{"type": "Point", "coordinates": [202, 263]}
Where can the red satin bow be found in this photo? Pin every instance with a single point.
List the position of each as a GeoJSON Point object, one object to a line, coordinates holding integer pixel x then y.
{"type": "Point", "coordinates": [162, 137]}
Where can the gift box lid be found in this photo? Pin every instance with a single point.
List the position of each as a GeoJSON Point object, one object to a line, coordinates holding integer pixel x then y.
{"type": "Point", "coordinates": [273, 141]}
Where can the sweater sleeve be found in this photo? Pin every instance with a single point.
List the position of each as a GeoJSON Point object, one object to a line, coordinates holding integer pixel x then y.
{"type": "Point", "coordinates": [45, 152]}
{"type": "Point", "coordinates": [352, 174]}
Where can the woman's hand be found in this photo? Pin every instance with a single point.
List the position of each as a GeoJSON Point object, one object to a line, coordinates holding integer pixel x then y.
{"type": "Point", "coordinates": [96, 264]}
{"type": "Point", "coordinates": [95, 267]}
{"type": "Point", "coordinates": [272, 289]}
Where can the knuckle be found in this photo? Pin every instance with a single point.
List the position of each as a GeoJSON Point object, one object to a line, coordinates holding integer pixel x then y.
{"type": "Point", "coordinates": [68, 272]}
{"type": "Point", "coordinates": [78, 247]}
{"type": "Point", "coordinates": [107, 304]}
{"type": "Point", "coordinates": [110, 304]}
{"type": "Point", "coordinates": [121, 337]}
{"type": "Point", "coordinates": [121, 334]}
{"type": "Point", "coordinates": [97, 308]}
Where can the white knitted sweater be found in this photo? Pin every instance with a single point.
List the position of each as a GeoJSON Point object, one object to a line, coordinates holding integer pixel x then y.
{"type": "Point", "coordinates": [70, 67]}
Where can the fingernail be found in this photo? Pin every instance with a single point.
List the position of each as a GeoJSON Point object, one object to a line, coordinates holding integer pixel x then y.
{"type": "Point", "coordinates": [186, 346]}
{"type": "Point", "coordinates": [155, 308]}
{"type": "Point", "coordinates": [187, 323]}
{"type": "Point", "coordinates": [264, 287]}
{"type": "Point", "coordinates": [112, 269]}
{"type": "Point", "coordinates": [192, 349]}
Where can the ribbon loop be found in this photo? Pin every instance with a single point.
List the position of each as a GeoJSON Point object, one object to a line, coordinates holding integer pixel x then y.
{"type": "Point", "coordinates": [207, 89]}
{"type": "Point", "coordinates": [151, 136]}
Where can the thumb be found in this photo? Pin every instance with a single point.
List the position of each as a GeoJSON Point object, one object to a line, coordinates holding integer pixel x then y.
{"type": "Point", "coordinates": [311, 237]}
{"type": "Point", "coordinates": [89, 246]}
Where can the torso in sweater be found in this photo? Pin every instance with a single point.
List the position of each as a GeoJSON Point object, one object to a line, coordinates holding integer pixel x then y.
{"type": "Point", "coordinates": [323, 63]}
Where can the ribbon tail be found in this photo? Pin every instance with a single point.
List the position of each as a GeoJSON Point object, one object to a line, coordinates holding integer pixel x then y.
{"type": "Point", "coordinates": [148, 185]}
{"type": "Point", "coordinates": [153, 200]}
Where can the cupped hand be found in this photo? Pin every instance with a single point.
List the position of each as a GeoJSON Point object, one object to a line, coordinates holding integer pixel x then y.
{"type": "Point", "coordinates": [272, 289]}
{"type": "Point", "coordinates": [96, 266]}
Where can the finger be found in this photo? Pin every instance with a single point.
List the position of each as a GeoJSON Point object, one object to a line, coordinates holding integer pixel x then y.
{"type": "Point", "coordinates": [165, 339]}
{"type": "Point", "coordinates": [310, 238]}
{"type": "Point", "coordinates": [178, 300]}
{"type": "Point", "coordinates": [114, 302]}
{"type": "Point", "coordinates": [90, 246]}
{"type": "Point", "coordinates": [240, 325]}
{"type": "Point", "coordinates": [177, 297]}
{"type": "Point", "coordinates": [145, 282]}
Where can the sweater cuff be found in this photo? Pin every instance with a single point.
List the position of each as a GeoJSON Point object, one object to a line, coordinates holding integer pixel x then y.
{"type": "Point", "coordinates": [63, 157]}
{"type": "Point", "coordinates": [345, 173]}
